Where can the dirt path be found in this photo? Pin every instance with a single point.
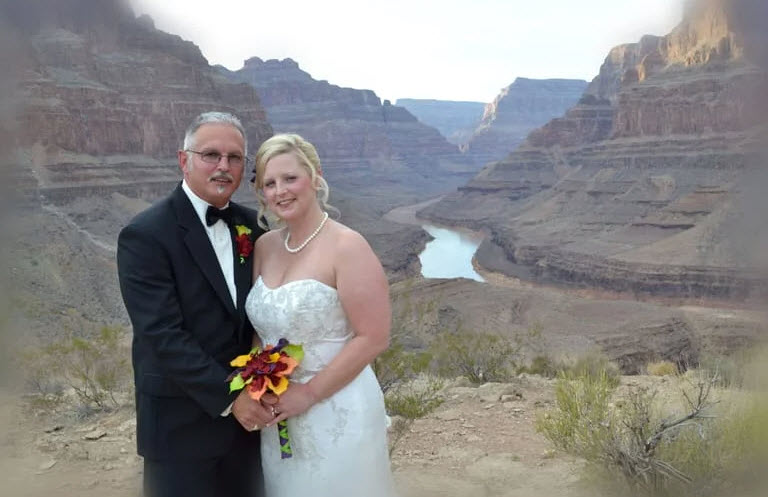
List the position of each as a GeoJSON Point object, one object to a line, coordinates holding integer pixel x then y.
{"type": "Point", "coordinates": [407, 213]}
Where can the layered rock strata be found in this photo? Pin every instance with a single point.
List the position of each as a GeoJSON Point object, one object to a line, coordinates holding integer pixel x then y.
{"type": "Point", "coordinates": [102, 100]}
{"type": "Point", "coordinates": [643, 185]}
{"type": "Point", "coordinates": [520, 108]}
{"type": "Point", "coordinates": [366, 146]}
{"type": "Point", "coordinates": [106, 98]}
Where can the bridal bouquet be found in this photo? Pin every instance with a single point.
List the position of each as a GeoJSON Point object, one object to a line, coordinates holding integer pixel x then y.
{"type": "Point", "coordinates": [267, 369]}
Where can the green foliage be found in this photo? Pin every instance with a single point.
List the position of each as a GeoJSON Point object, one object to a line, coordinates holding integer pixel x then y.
{"type": "Point", "coordinates": [415, 399]}
{"type": "Point", "coordinates": [480, 357]}
{"type": "Point", "coordinates": [581, 423]}
{"type": "Point", "coordinates": [397, 365]}
{"type": "Point", "coordinates": [94, 368]}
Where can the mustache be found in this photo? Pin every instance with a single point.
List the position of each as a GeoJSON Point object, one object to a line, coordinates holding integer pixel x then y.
{"type": "Point", "coordinates": [221, 175]}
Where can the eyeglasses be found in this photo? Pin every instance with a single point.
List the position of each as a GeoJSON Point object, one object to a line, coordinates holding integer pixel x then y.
{"type": "Point", "coordinates": [213, 157]}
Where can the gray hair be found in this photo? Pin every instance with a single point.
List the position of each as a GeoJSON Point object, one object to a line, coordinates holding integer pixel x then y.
{"type": "Point", "coordinates": [215, 118]}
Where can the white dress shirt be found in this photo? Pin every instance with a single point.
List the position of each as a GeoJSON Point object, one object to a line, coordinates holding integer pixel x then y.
{"type": "Point", "coordinates": [220, 237]}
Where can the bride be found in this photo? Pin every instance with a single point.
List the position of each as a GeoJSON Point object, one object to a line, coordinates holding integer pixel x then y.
{"type": "Point", "coordinates": [319, 284]}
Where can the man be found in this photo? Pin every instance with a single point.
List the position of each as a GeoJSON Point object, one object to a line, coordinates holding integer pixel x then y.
{"type": "Point", "coordinates": [184, 275]}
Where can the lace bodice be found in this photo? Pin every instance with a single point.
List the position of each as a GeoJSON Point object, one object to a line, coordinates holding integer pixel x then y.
{"type": "Point", "coordinates": [306, 312]}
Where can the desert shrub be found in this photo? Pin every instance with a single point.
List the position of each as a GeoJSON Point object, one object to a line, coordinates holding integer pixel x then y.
{"type": "Point", "coordinates": [728, 370]}
{"type": "Point", "coordinates": [95, 368]}
{"type": "Point", "coordinates": [544, 365]}
{"type": "Point", "coordinates": [661, 368]}
{"type": "Point", "coordinates": [397, 365]}
{"type": "Point", "coordinates": [480, 357]}
{"type": "Point", "coordinates": [579, 422]}
{"type": "Point", "coordinates": [593, 364]}
{"type": "Point", "coordinates": [635, 450]}
{"type": "Point", "coordinates": [720, 454]}
{"type": "Point", "coordinates": [414, 399]}
{"type": "Point", "coordinates": [46, 390]}
{"type": "Point", "coordinates": [400, 364]}
{"type": "Point", "coordinates": [744, 368]}
{"type": "Point", "coordinates": [541, 365]}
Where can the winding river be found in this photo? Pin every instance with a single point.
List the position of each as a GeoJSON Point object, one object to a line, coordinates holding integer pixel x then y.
{"type": "Point", "coordinates": [450, 254]}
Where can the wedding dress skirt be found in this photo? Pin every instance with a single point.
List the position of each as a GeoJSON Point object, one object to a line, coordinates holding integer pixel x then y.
{"type": "Point", "coordinates": [340, 444]}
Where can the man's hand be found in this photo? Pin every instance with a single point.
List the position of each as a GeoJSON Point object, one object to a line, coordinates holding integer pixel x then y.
{"type": "Point", "coordinates": [250, 413]}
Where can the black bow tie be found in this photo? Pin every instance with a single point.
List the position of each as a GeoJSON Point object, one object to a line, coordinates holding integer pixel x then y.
{"type": "Point", "coordinates": [213, 214]}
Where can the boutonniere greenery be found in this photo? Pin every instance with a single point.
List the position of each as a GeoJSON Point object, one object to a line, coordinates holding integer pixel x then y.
{"type": "Point", "coordinates": [244, 243]}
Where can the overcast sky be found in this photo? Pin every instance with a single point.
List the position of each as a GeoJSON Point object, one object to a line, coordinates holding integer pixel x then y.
{"type": "Point", "coordinates": [444, 49]}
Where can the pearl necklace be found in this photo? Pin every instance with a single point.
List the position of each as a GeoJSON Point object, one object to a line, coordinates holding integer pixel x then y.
{"type": "Point", "coordinates": [309, 239]}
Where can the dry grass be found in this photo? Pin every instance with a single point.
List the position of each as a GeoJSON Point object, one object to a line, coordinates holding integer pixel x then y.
{"type": "Point", "coordinates": [661, 368]}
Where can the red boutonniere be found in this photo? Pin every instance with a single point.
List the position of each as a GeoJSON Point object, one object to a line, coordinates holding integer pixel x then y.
{"type": "Point", "coordinates": [244, 243]}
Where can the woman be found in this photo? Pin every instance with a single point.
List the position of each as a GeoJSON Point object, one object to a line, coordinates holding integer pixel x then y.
{"type": "Point", "coordinates": [319, 284]}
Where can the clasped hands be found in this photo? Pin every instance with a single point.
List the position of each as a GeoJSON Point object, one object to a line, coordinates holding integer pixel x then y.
{"type": "Point", "coordinates": [271, 409]}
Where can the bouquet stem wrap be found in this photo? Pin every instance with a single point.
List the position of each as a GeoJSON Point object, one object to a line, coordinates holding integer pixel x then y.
{"type": "Point", "coordinates": [285, 440]}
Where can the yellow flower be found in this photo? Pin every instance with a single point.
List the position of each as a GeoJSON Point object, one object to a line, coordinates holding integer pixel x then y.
{"type": "Point", "coordinates": [240, 360]}
{"type": "Point", "coordinates": [242, 230]}
{"type": "Point", "coordinates": [279, 387]}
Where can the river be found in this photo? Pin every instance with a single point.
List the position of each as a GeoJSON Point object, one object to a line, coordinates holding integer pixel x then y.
{"type": "Point", "coordinates": [450, 254]}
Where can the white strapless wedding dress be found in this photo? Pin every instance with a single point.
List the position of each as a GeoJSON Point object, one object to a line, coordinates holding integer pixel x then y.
{"type": "Point", "coordinates": [340, 444]}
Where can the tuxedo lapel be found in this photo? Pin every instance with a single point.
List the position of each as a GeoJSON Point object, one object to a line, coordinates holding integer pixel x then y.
{"type": "Point", "coordinates": [199, 246]}
{"type": "Point", "coordinates": [244, 270]}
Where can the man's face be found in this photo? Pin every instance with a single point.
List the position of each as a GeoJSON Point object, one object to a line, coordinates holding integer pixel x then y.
{"type": "Point", "coordinates": [214, 182]}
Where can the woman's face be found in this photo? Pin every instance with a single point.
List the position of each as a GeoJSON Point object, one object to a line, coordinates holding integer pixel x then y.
{"type": "Point", "coordinates": [287, 187]}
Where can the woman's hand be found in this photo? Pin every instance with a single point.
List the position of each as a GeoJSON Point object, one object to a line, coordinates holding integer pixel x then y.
{"type": "Point", "coordinates": [296, 400]}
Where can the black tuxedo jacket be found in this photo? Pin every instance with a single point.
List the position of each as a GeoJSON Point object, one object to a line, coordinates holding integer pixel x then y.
{"type": "Point", "coordinates": [185, 329]}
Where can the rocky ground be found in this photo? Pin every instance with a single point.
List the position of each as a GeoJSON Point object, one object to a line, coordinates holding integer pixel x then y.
{"type": "Point", "coordinates": [481, 441]}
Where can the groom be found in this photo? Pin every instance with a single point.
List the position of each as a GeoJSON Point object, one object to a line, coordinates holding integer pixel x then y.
{"type": "Point", "coordinates": [185, 271]}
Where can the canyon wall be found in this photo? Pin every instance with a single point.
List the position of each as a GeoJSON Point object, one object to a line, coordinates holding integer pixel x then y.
{"type": "Point", "coordinates": [644, 185]}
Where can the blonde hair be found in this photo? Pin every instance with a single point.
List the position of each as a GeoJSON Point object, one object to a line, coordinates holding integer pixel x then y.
{"type": "Point", "coordinates": [305, 152]}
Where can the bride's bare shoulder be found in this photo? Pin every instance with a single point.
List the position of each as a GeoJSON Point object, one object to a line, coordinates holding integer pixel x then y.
{"type": "Point", "coordinates": [348, 239]}
{"type": "Point", "coordinates": [269, 239]}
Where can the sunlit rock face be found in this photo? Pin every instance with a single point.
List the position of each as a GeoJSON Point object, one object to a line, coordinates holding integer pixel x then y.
{"type": "Point", "coordinates": [520, 108]}
{"type": "Point", "coordinates": [645, 184]}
